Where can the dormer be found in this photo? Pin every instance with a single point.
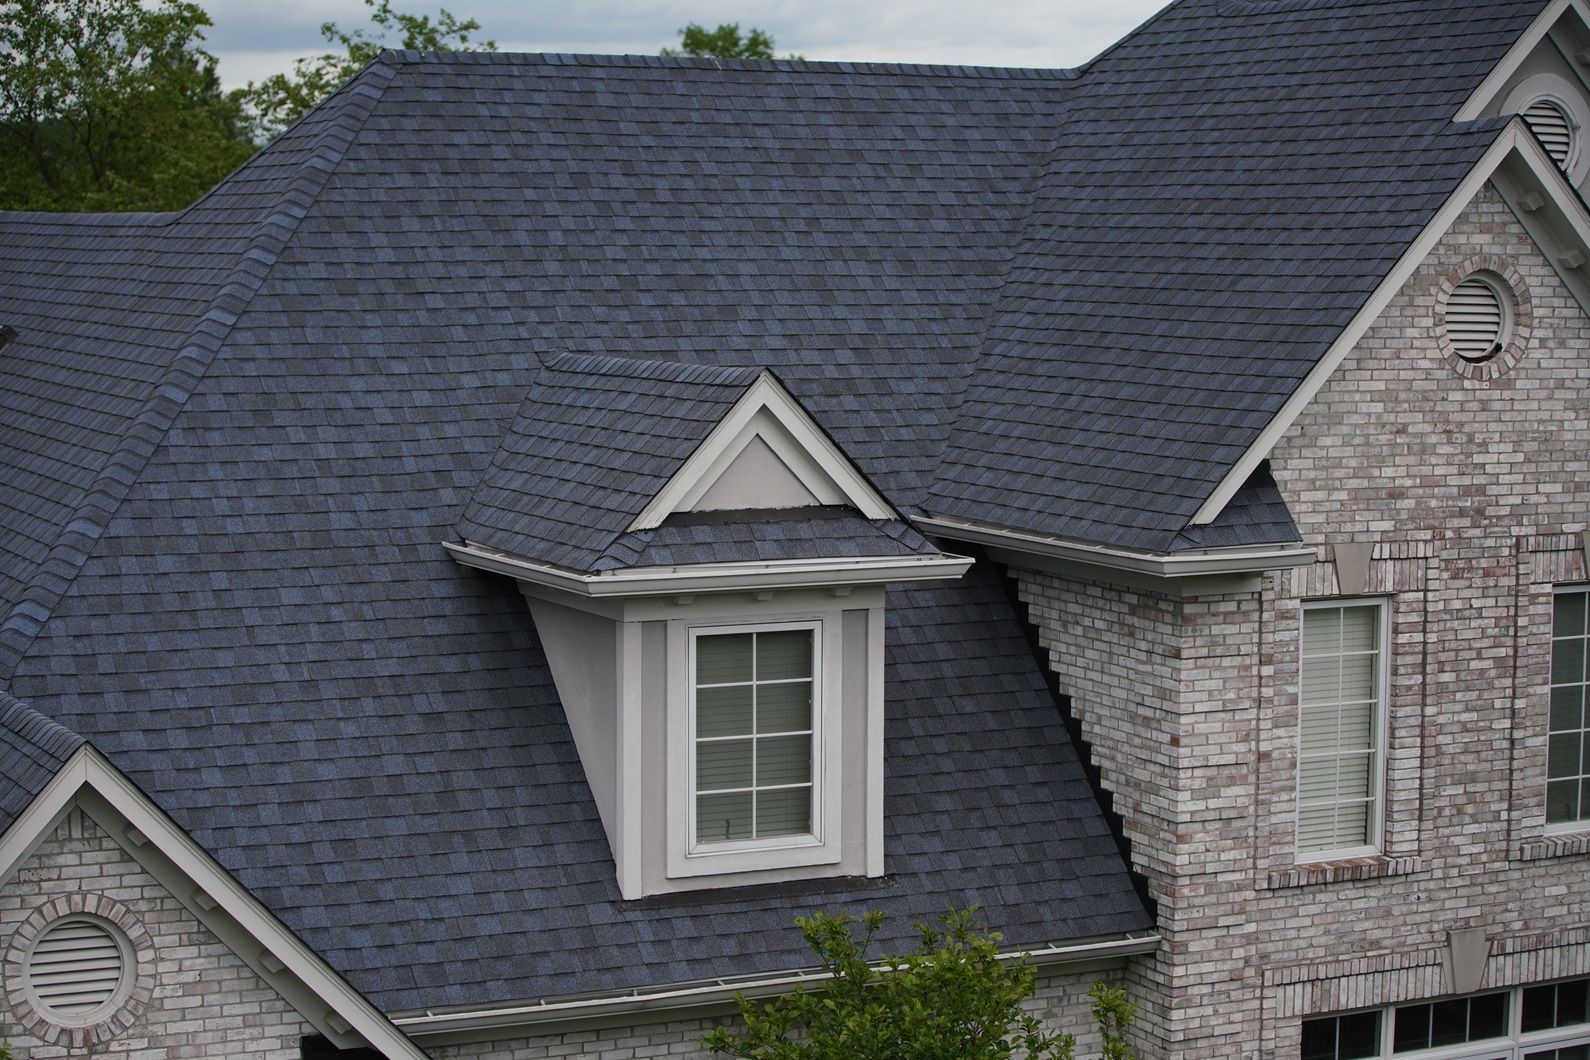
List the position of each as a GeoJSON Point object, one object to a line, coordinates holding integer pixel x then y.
{"type": "Point", "coordinates": [706, 571]}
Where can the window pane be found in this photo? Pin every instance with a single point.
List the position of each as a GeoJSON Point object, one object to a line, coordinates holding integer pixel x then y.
{"type": "Point", "coordinates": [1321, 681]}
{"type": "Point", "coordinates": [1352, 825]}
{"type": "Point", "coordinates": [1360, 1036]}
{"type": "Point", "coordinates": [784, 708]}
{"type": "Point", "coordinates": [1573, 1003]}
{"type": "Point", "coordinates": [723, 658]}
{"type": "Point", "coordinates": [787, 811]}
{"type": "Point", "coordinates": [1359, 628]}
{"type": "Point", "coordinates": [1319, 1039]}
{"type": "Point", "coordinates": [1449, 1022]}
{"type": "Point", "coordinates": [1339, 712]}
{"type": "Point", "coordinates": [1567, 707]}
{"type": "Point", "coordinates": [1487, 1017]}
{"type": "Point", "coordinates": [1562, 758]}
{"type": "Point", "coordinates": [1567, 661]}
{"type": "Point", "coordinates": [723, 711]}
{"type": "Point", "coordinates": [783, 760]}
{"type": "Point", "coordinates": [1322, 631]}
{"type": "Point", "coordinates": [723, 765]}
{"type": "Point", "coordinates": [784, 654]}
{"type": "Point", "coordinates": [1562, 800]}
{"type": "Point", "coordinates": [723, 817]}
{"type": "Point", "coordinates": [1411, 1028]}
{"type": "Point", "coordinates": [1568, 617]}
{"type": "Point", "coordinates": [1358, 677]}
{"type": "Point", "coordinates": [1540, 1005]}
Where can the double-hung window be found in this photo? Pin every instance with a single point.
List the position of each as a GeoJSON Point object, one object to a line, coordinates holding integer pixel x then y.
{"type": "Point", "coordinates": [1568, 741]}
{"type": "Point", "coordinates": [1341, 711]}
{"type": "Point", "coordinates": [754, 737]}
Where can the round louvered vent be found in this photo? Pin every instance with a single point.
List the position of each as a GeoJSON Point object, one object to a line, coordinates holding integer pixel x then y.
{"type": "Point", "coordinates": [76, 970]}
{"type": "Point", "coordinates": [1552, 126]}
{"type": "Point", "coordinates": [1477, 319]}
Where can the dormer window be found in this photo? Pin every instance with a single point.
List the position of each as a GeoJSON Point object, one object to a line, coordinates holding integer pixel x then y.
{"type": "Point", "coordinates": [713, 615]}
{"type": "Point", "coordinates": [754, 729]}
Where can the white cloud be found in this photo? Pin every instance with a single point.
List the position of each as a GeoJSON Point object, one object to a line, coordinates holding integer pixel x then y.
{"type": "Point", "coordinates": [253, 39]}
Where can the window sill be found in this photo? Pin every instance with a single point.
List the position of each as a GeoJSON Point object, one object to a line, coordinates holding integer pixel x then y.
{"type": "Point", "coordinates": [1553, 845]}
{"type": "Point", "coordinates": [1368, 867]}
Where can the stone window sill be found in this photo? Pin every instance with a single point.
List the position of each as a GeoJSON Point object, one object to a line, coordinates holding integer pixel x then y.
{"type": "Point", "coordinates": [1364, 868]}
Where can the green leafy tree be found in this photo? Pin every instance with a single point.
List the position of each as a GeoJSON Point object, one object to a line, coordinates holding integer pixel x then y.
{"type": "Point", "coordinates": [1113, 1013]}
{"type": "Point", "coordinates": [952, 998]}
{"type": "Point", "coordinates": [281, 99]}
{"type": "Point", "coordinates": [111, 105]}
{"type": "Point", "coordinates": [725, 42]}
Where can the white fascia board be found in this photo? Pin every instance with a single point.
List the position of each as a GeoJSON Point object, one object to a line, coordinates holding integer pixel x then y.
{"type": "Point", "coordinates": [714, 577]}
{"type": "Point", "coordinates": [766, 393]}
{"type": "Point", "coordinates": [88, 768]}
{"type": "Point", "coordinates": [1487, 90]}
{"type": "Point", "coordinates": [1189, 564]}
{"type": "Point", "coordinates": [434, 1023]}
{"type": "Point", "coordinates": [1515, 142]}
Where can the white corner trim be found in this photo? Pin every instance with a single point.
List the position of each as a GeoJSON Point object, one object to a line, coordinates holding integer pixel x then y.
{"type": "Point", "coordinates": [718, 991]}
{"type": "Point", "coordinates": [731, 435]}
{"type": "Point", "coordinates": [87, 768]}
{"type": "Point", "coordinates": [713, 577]}
{"type": "Point", "coordinates": [1515, 141]}
{"type": "Point", "coordinates": [1161, 565]}
{"type": "Point", "coordinates": [1487, 91]}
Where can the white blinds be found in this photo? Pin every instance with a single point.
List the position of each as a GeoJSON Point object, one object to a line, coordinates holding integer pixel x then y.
{"type": "Point", "coordinates": [753, 735]}
{"type": "Point", "coordinates": [1474, 319]}
{"type": "Point", "coordinates": [76, 967]}
{"type": "Point", "coordinates": [1339, 713]}
{"type": "Point", "coordinates": [1552, 127]}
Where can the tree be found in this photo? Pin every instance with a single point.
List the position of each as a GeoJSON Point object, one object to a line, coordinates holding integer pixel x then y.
{"type": "Point", "coordinates": [724, 42]}
{"type": "Point", "coordinates": [110, 105]}
{"type": "Point", "coordinates": [953, 997]}
{"type": "Point", "coordinates": [281, 99]}
{"type": "Point", "coordinates": [1113, 1013]}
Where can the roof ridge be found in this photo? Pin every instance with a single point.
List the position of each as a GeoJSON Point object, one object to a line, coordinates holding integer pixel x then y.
{"type": "Point", "coordinates": [1060, 73]}
{"type": "Point", "coordinates": [27, 615]}
{"type": "Point", "coordinates": [46, 735]}
{"type": "Point", "coordinates": [606, 364]}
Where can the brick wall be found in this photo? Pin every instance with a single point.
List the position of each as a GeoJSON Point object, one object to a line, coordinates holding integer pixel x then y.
{"type": "Point", "coordinates": [194, 997]}
{"type": "Point", "coordinates": [1471, 489]}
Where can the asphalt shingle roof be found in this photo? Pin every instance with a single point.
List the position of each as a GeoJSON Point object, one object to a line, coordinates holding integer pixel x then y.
{"type": "Point", "coordinates": [767, 536]}
{"type": "Point", "coordinates": [234, 438]}
{"type": "Point", "coordinates": [32, 750]}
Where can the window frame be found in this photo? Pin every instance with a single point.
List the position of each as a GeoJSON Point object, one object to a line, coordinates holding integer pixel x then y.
{"type": "Point", "coordinates": [1579, 824]}
{"type": "Point", "coordinates": [695, 846]}
{"type": "Point", "coordinates": [1381, 729]}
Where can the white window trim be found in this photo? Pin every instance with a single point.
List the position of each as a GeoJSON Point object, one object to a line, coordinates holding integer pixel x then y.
{"type": "Point", "coordinates": [1515, 1044]}
{"type": "Point", "coordinates": [687, 857]}
{"type": "Point", "coordinates": [1580, 825]}
{"type": "Point", "coordinates": [1382, 730]}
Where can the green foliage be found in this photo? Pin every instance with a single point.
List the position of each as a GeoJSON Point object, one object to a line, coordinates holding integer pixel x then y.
{"type": "Point", "coordinates": [952, 999]}
{"type": "Point", "coordinates": [1113, 1013]}
{"type": "Point", "coordinates": [110, 105]}
{"type": "Point", "coordinates": [281, 99]}
{"type": "Point", "coordinates": [725, 42]}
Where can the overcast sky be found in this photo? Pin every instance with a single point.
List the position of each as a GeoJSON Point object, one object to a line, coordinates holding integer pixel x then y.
{"type": "Point", "coordinates": [253, 38]}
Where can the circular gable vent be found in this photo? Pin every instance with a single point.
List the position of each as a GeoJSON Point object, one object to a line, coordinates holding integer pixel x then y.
{"type": "Point", "coordinates": [1477, 318]}
{"type": "Point", "coordinates": [76, 971]}
{"type": "Point", "coordinates": [1552, 126]}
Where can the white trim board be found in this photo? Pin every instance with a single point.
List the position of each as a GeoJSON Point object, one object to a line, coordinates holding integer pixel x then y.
{"type": "Point", "coordinates": [766, 576]}
{"type": "Point", "coordinates": [767, 411]}
{"type": "Point", "coordinates": [1527, 162]}
{"type": "Point", "coordinates": [1487, 90]}
{"type": "Point", "coordinates": [344, 1015]}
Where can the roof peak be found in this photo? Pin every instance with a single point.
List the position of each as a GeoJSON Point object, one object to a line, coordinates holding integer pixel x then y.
{"type": "Point", "coordinates": [686, 62]}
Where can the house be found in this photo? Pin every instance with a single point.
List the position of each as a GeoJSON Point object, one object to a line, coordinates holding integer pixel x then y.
{"type": "Point", "coordinates": [474, 577]}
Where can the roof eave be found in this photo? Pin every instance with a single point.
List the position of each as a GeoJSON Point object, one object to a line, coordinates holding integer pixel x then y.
{"type": "Point", "coordinates": [713, 577]}
{"type": "Point", "coordinates": [1249, 559]}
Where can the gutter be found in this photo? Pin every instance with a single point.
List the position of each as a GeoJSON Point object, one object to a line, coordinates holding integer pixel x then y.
{"type": "Point", "coordinates": [713, 577]}
{"type": "Point", "coordinates": [1250, 559]}
{"type": "Point", "coordinates": [718, 991]}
